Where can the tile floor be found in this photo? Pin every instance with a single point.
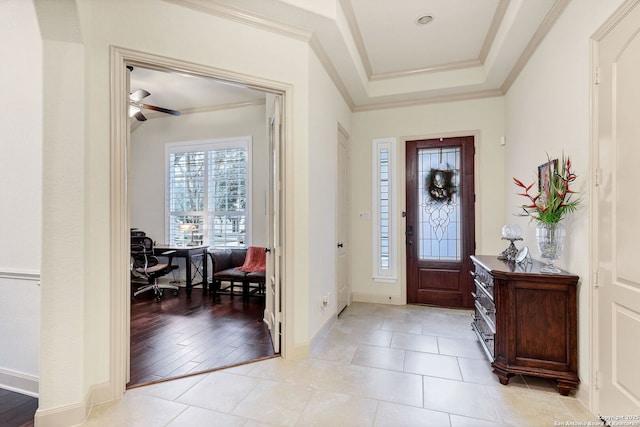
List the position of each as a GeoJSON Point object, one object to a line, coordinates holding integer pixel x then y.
{"type": "Point", "coordinates": [378, 365]}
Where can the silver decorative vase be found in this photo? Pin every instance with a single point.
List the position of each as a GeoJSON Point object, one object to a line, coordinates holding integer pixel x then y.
{"type": "Point", "coordinates": [550, 238]}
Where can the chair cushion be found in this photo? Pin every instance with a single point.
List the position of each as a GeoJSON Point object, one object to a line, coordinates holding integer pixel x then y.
{"type": "Point", "coordinates": [256, 277]}
{"type": "Point", "coordinates": [230, 274]}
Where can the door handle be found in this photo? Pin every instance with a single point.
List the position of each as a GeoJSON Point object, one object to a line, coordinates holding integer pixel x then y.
{"type": "Point", "coordinates": [340, 245]}
{"type": "Point", "coordinates": [267, 250]}
{"type": "Point", "coordinates": [410, 242]}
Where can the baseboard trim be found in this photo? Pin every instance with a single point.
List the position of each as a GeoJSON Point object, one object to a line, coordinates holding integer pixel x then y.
{"type": "Point", "coordinates": [322, 332]}
{"type": "Point", "coordinates": [19, 382]}
{"type": "Point", "coordinates": [76, 413]}
{"type": "Point", "coordinates": [376, 299]}
{"type": "Point", "coordinates": [62, 416]}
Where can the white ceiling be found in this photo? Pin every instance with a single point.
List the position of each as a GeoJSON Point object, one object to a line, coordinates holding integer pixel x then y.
{"type": "Point", "coordinates": [375, 52]}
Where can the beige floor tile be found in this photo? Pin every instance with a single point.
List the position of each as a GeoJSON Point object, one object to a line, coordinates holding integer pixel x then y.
{"type": "Point", "coordinates": [136, 411]}
{"type": "Point", "coordinates": [337, 409]}
{"type": "Point", "coordinates": [460, 421]}
{"type": "Point", "coordinates": [169, 390]}
{"type": "Point", "coordinates": [402, 325]}
{"type": "Point", "coordinates": [379, 357]}
{"type": "Point", "coordinates": [275, 403]}
{"type": "Point", "coordinates": [394, 415]}
{"type": "Point", "coordinates": [219, 391]}
{"type": "Point", "coordinates": [477, 371]}
{"type": "Point", "coordinates": [391, 386]}
{"type": "Point", "coordinates": [199, 417]}
{"type": "Point", "coordinates": [577, 410]}
{"type": "Point", "coordinates": [414, 342]}
{"type": "Point", "coordinates": [337, 385]}
{"type": "Point", "coordinates": [461, 347]}
{"type": "Point", "coordinates": [377, 337]}
{"type": "Point", "coordinates": [524, 407]}
{"type": "Point", "coordinates": [457, 397]}
{"type": "Point", "coordinates": [435, 365]}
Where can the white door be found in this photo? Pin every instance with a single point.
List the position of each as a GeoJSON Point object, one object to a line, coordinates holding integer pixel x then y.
{"type": "Point", "coordinates": [274, 256]}
{"type": "Point", "coordinates": [342, 224]}
{"type": "Point", "coordinates": [617, 292]}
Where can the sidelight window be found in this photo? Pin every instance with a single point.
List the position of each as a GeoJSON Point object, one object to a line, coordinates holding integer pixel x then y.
{"type": "Point", "coordinates": [384, 201]}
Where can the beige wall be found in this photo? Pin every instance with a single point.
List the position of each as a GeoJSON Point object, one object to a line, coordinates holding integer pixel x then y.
{"type": "Point", "coordinates": [76, 313]}
{"type": "Point", "coordinates": [21, 201]}
{"type": "Point", "coordinates": [548, 111]}
{"type": "Point", "coordinates": [483, 118]}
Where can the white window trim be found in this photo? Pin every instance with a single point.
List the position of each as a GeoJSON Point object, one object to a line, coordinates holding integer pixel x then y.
{"type": "Point", "coordinates": [204, 145]}
{"type": "Point", "coordinates": [381, 274]}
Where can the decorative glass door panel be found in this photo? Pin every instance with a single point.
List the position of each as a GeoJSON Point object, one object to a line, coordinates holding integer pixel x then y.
{"type": "Point", "coordinates": [439, 217]}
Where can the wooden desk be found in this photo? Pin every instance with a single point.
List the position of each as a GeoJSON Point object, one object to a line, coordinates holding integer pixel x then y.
{"type": "Point", "coordinates": [191, 254]}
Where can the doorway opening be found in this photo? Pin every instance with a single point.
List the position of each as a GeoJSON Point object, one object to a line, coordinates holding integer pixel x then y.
{"type": "Point", "coordinates": [121, 199]}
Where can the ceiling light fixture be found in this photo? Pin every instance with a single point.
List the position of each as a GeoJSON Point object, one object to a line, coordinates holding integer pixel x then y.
{"type": "Point", "coordinates": [424, 19]}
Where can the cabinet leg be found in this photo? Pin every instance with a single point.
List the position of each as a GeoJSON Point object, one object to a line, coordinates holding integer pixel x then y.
{"type": "Point", "coordinates": [503, 377]}
{"type": "Point", "coordinates": [565, 388]}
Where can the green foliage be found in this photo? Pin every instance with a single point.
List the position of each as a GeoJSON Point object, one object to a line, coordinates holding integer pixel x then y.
{"type": "Point", "coordinates": [551, 204]}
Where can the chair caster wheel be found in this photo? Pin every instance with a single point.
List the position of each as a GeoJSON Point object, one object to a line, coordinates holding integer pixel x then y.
{"type": "Point", "coordinates": [175, 292]}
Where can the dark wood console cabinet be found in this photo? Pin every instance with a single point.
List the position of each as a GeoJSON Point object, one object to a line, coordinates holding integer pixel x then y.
{"type": "Point", "coordinates": [526, 321]}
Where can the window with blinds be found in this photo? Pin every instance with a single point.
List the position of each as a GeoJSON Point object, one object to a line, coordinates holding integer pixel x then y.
{"type": "Point", "coordinates": [208, 185]}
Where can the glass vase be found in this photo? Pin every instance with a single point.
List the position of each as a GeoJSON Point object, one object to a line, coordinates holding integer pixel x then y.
{"type": "Point", "coordinates": [550, 238]}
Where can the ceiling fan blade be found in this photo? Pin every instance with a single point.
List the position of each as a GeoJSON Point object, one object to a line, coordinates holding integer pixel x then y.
{"type": "Point", "coordinates": [162, 110]}
{"type": "Point", "coordinates": [138, 95]}
{"type": "Point", "coordinates": [139, 116]}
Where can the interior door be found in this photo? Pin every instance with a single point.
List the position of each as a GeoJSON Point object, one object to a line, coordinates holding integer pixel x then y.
{"type": "Point", "coordinates": [272, 314]}
{"type": "Point", "coordinates": [440, 218]}
{"type": "Point", "coordinates": [342, 225]}
{"type": "Point", "coordinates": [618, 274]}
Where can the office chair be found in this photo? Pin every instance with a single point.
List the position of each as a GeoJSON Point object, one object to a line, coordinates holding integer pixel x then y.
{"type": "Point", "coordinates": [145, 265]}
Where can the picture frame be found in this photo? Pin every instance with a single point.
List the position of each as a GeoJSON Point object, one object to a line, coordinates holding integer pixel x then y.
{"type": "Point", "coordinates": [545, 172]}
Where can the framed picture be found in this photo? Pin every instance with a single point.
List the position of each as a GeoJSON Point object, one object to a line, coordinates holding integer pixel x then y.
{"type": "Point", "coordinates": [545, 173]}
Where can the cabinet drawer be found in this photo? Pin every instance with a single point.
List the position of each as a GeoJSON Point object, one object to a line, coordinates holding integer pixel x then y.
{"type": "Point", "coordinates": [483, 278]}
{"type": "Point", "coordinates": [486, 335]}
{"type": "Point", "coordinates": [484, 305]}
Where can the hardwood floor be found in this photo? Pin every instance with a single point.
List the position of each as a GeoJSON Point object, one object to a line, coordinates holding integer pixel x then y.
{"type": "Point", "coordinates": [16, 410]}
{"type": "Point", "coordinates": [180, 336]}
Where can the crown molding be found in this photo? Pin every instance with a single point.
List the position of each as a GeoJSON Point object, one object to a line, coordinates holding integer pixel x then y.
{"type": "Point", "coordinates": [501, 10]}
{"type": "Point", "coordinates": [467, 96]}
{"type": "Point", "coordinates": [224, 10]}
{"type": "Point", "coordinates": [540, 34]}
{"type": "Point", "coordinates": [471, 63]}
{"type": "Point", "coordinates": [354, 29]}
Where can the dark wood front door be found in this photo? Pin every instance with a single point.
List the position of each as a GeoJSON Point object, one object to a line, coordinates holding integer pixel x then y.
{"type": "Point", "coordinates": [440, 234]}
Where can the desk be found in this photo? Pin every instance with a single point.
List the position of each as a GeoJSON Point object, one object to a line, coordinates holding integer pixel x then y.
{"type": "Point", "coordinates": [191, 254]}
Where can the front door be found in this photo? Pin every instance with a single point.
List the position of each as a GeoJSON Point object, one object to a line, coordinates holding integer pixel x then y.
{"type": "Point", "coordinates": [440, 233]}
{"type": "Point", "coordinates": [617, 276]}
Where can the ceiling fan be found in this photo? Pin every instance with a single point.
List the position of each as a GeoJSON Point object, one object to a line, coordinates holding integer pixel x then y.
{"type": "Point", "coordinates": [136, 105]}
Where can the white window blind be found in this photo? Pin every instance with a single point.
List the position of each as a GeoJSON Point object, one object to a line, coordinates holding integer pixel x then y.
{"type": "Point", "coordinates": [384, 239]}
{"type": "Point", "coordinates": [208, 192]}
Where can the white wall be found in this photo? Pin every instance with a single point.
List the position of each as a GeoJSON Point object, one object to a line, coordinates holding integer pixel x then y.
{"type": "Point", "coordinates": [21, 206]}
{"type": "Point", "coordinates": [148, 170]}
{"type": "Point", "coordinates": [483, 118]}
{"type": "Point", "coordinates": [76, 350]}
{"type": "Point", "coordinates": [327, 110]}
{"type": "Point", "coordinates": [548, 111]}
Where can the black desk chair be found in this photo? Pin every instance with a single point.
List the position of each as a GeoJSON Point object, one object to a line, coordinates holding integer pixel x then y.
{"type": "Point", "coordinates": [145, 266]}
